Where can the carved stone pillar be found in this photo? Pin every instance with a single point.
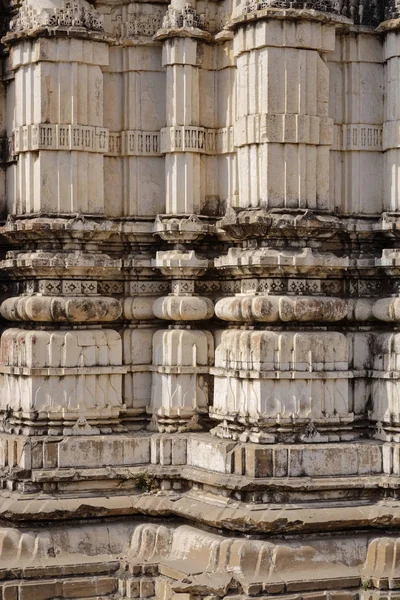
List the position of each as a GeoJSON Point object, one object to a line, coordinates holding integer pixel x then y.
{"type": "Point", "coordinates": [59, 135]}
{"type": "Point", "coordinates": [137, 338]}
{"type": "Point", "coordinates": [283, 131]}
{"type": "Point", "coordinates": [182, 355]}
{"type": "Point", "coordinates": [356, 159]}
{"type": "Point", "coordinates": [275, 381]}
{"type": "Point", "coordinates": [60, 373]}
{"type": "Point", "coordinates": [134, 112]}
{"type": "Point", "coordinates": [391, 137]}
{"type": "Point", "coordinates": [185, 139]}
{"type": "Point", "coordinates": [62, 366]}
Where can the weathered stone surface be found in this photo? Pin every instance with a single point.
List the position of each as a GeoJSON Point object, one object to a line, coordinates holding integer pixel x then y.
{"type": "Point", "coordinates": [199, 287]}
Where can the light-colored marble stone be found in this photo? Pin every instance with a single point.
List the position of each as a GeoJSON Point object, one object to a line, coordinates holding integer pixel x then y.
{"type": "Point", "coordinates": [199, 293]}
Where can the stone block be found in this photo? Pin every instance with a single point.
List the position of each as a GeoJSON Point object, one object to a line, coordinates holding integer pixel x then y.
{"type": "Point", "coordinates": [87, 587]}
{"type": "Point", "coordinates": [259, 462]}
{"type": "Point", "coordinates": [128, 130]}
{"type": "Point", "coordinates": [209, 454]}
{"type": "Point", "coordinates": [133, 588]}
{"type": "Point", "coordinates": [10, 591]}
{"type": "Point", "coordinates": [90, 451]}
{"type": "Point", "coordinates": [40, 590]}
{"type": "Point", "coordinates": [146, 588]}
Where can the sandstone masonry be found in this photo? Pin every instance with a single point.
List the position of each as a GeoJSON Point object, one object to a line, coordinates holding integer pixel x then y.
{"type": "Point", "coordinates": [200, 294]}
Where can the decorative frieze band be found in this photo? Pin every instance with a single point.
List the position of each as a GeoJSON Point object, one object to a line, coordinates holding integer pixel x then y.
{"type": "Point", "coordinates": [185, 138]}
{"type": "Point", "coordinates": [184, 17]}
{"type": "Point", "coordinates": [66, 287]}
{"type": "Point", "coordinates": [361, 12]}
{"type": "Point", "coordinates": [71, 13]}
{"type": "Point", "coordinates": [134, 143]}
{"type": "Point", "coordinates": [264, 285]}
{"type": "Point", "coordinates": [129, 21]}
{"type": "Point", "coordinates": [322, 5]}
{"type": "Point", "coordinates": [85, 138]}
{"type": "Point", "coordinates": [283, 129]}
{"type": "Point", "coordinates": [359, 137]}
{"type": "Point", "coordinates": [224, 140]}
{"type": "Point", "coordinates": [89, 287]}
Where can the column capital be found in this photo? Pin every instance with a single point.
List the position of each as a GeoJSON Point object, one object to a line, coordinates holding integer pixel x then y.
{"type": "Point", "coordinates": [39, 16]}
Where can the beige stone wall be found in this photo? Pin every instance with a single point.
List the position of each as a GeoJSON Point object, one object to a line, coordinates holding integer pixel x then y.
{"type": "Point", "coordinates": [199, 277]}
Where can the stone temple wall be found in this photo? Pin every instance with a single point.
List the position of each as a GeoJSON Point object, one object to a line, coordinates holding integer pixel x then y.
{"type": "Point", "coordinates": [200, 300]}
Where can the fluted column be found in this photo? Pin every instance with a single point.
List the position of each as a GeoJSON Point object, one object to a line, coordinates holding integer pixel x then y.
{"type": "Point", "coordinates": [283, 130]}
{"type": "Point", "coordinates": [134, 113]}
{"type": "Point", "coordinates": [356, 104]}
{"type": "Point", "coordinates": [61, 363]}
{"type": "Point", "coordinates": [59, 135]}
{"type": "Point", "coordinates": [186, 138]}
{"type": "Point", "coordinates": [391, 126]}
{"type": "Point", "coordinates": [183, 138]}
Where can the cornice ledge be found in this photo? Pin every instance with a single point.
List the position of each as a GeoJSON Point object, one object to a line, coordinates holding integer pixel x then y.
{"type": "Point", "coordinates": [292, 14]}
{"type": "Point", "coordinates": [388, 25]}
{"type": "Point", "coordinates": [182, 32]}
{"type": "Point", "coordinates": [75, 18]}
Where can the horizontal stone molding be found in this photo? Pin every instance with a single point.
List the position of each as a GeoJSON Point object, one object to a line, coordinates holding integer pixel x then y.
{"type": "Point", "coordinates": [271, 308]}
{"type": "Point", "coordinates": [139, 308]}
{"type": "Point", "coordinates": [177, 370]}
{"type": "Point", "coordinates": [304, 260]}
{"type": "Point", "coordinates": [283, 129]}
{"type": "Point", "coordinates": [361, 137]}
{"type": "Point", "coordinates": [281, 308]}
{"type": "Point", "coordinates": [60, 309]}
{"type": "Point", "coordinates": [41, 136]}
{"type": "Point", "coordinates": [187, 308]}
{"type": "Point", "coordinates": [147, 288]}
{"type": "Point", "coordinates": [89, 287]}
{"type": "Point", "coordinates": [62, 371]}
{"type": "Point", "coordinates": [257, 375]}
{"type": "Point", "coordinates": [56, 287]}
{"type": "Point", "coordinates": [76, 417]}
{"type": "Point", "coordinates": [387, 309]}
{"type": "Point", "coordinates": [224, 143]}
{"type": "Point", "coordinates": [280, 32]}
{"type": "Point", "coordinates": [187, 138]}
{"type": "Point", "coordinates": [277, 285]}
{"type": "Point", "coordinates": [387, 374]}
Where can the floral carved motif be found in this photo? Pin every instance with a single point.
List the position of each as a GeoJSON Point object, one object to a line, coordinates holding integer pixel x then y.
{"type": "Point", "coordinates": [72, 13]}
